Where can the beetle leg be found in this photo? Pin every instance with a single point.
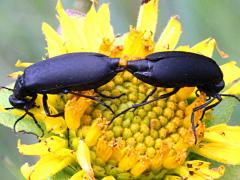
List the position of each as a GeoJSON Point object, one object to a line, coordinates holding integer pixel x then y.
{"type": "Point", "coordinates": [205, 105]}
{"type": "Point", "coordinates": [19, 119]}
{"type": "Point", "coordinates": [46, 108]}
{"type": "Point", "coordinates": [3, 87]}
{"type": "Point", "coordinates": [211, 106]}
{"type": "Point", "coordinates": [148, 96]}
{"type": "Point", "coordinates": [93, 98]}
{"type": "Point", "coordinates": [35, 121]}
{"type": "Point", "coordinates": [146, 102]}
{"type": "Point", "coordinates": [110, 97]}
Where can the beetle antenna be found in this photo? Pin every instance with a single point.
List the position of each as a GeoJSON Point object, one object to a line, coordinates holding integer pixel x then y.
{"type": "Point", "coordinates": [3, 87]}
{"type": "Point", "coordinates": [231, 95]}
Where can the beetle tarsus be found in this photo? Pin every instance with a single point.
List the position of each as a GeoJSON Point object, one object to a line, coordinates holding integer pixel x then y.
{"type": "Point", "coordinates": [19, 119]}
{"type": "Point", "coordinates": [3, 87]}
{"type": "Point", "coordinates": [210, 107]}
{"type": "Point", "coordinates": [46, 108]}
{"type": "Point", "coordinates": [231, 95]}
{"type": "Point", "coordinates": [205, 107]}
{"type": "Point", "coordinates": [35, 121]}
{"type": "Point", "coordinates": [148, 96]}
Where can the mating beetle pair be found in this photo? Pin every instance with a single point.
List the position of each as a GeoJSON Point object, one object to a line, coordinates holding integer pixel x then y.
{"type": "Point", "coordinates": [84, 71]}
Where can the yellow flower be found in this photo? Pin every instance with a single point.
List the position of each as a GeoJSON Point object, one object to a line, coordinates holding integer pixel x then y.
{"type": "Point", "coordinates": [152, 142]}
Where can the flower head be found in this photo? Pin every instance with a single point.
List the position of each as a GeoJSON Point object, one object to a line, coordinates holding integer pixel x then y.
{"type": "Point", "coordinates": [155, 140]}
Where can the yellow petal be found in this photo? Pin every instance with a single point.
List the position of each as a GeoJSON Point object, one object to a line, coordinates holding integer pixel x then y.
{"type": "Point", "coordinates": [231, 73]}
{"type": "Point", "coordinates": [142, 165]}
{"type": "Point", "coordinates": [108, 178]}
{"type": "Point", "coordinates": [91, 30]}
{"type": "Point", "coordinates": [221, 143]}
{"type": "Point", "coordinates": [170, 36]}
{"type": "Point", "coordinates": [136, 45]}
{"type": "Point", "coordinates": [104, 150]}
{"type": "Point", "coordinates": [54, 162]}
{"type": "Point", "coordinates": [97, 27]}
{"type": "Point", "coordinates": [55, 43]}
{"type": "Point", "coordinates": [15, 75]}
{"type": "Point", "coordinates": [147, 18]}
{"type": "Point", "coordinates": [19, 63]}
{"type": "Point", "coordinates": [45, 146]}
{"type": "Point", "coordinates": [205, 47]}
{"type": "Point", "coordinates": [197, 169]}
{"type": "Point", "coordinates": [119, 150]}
{"type": "Point", "coordinates": [223, 133]}
{"type": "Point", "coordinates": [83, 157]}
{"type": "Point", "coordinates": [94, 133]}
{"type": "Point", "coordinates": [74, 110]}
{"type": "Point", "coordinates": [72, 30]}
{"type": "Point", "coordinates": [171, 177]}
{"type": "Point", "coordinates": [26, 170]}
{"type": "Point", "coordinates": [80, 175]}
{"type": "Point", "coordinates": [128, 161]}
{"type": "Point", "coordinates": [185, 48]}
{"type": "Point", "coordinates": [105, 27]}
{"type": "Point", "coordinates": [185, 92]}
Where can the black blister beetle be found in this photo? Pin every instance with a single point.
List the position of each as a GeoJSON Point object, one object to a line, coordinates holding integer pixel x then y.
{"type": "Point", "coordinates": [176, 69]}
{"type": "Point", "coordinates": [63, 74]}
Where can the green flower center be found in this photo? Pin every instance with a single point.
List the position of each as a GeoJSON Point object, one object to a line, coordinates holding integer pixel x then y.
{"type": "Point", "coordinates": [153, 133]}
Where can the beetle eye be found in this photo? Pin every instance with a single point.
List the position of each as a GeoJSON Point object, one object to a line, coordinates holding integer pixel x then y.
{"type": "Point", "coordinates": [220, 85]}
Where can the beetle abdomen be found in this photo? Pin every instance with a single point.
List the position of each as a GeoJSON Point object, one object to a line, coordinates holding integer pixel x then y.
{"type": "Point", "coordinates": [75, 71]}
{"type": "Point", "coordinates": [185, 71]}
{"type": "Point", "coordinates": [176, 69]}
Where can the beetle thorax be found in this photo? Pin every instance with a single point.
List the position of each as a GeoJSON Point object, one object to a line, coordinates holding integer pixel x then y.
{"type": "Point", "coordinates": [19, 90]}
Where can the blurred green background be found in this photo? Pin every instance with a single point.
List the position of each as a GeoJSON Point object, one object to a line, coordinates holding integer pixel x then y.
{"type": "Point", "coordinates": [21, 38]}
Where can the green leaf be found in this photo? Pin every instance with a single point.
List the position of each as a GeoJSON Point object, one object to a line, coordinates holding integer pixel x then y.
{"type": "Point", "coordinates": [222, 113]}
{"type": "Point", "coordinates": [7, 118]}
{"type": "Point", "coordinates": [62, 175]}
{"type": "Point", "coordinates": [231, 173]}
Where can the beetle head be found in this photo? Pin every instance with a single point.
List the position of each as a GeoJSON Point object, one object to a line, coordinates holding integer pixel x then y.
{"type": "Point", "coordinates": [212, 89]}
{"type": "Point", "coordinates": [18, 103]}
